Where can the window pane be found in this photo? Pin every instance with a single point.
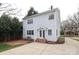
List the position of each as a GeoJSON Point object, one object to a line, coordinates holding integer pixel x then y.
{"type": "Point", "coordinates": [30, 32]}
{"type": "Point", "coordinates": [29, 21]}
{"type": "Point", "coordinates": [49, 32]}
{"type": "Point", "coordinates": [51, 16]}
{"type": "Point", "coordinates": [40, 33]}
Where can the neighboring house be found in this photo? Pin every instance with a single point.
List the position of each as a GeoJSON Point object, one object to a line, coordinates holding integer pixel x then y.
{"type": "Point", "coordinates": [71, 31]}
{"type": "Point", "coordinates": [44, 25]}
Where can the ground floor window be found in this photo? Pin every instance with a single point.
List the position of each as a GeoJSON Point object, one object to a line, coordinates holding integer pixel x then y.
{"type": "Point", "coordinates": [30, 32]}
{"type": "Point", "coordinates": [49, 32]}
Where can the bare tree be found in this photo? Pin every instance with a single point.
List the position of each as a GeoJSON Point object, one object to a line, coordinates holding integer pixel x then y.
{"type": "Point", "coordinates": [72, 24]}
{"type": "Point", "coordinates": [8, 9]}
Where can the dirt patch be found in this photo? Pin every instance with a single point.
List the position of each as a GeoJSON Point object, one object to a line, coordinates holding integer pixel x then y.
{"type": "Point", "coordinates": [18, 42]}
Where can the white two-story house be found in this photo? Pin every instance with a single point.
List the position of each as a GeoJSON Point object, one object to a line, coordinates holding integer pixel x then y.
{"type": "Point", "coordinates": [45, 25]}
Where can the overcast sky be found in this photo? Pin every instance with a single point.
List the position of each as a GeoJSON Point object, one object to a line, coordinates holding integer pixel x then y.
{"type": "Point", "coordinates": [67, 7]}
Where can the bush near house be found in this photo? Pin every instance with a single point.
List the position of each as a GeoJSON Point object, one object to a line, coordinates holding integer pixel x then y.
{"type": "Point", "coordinates": [61, 40]}
{"type": "Point", "coordinates": [29, 39]}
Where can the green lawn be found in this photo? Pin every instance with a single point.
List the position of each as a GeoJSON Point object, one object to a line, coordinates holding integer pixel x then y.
{"type": "Point", "coordinates": [4, 47]}
{"type": "Point", "coordinates": [76, 39]}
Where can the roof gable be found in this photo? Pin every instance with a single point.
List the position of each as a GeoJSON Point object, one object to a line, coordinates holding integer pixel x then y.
{"type": "Point", "coordinates": [49, 11]}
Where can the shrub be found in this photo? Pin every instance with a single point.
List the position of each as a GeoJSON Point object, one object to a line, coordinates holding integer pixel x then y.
{"type": "Point", "coordinates": [41, 40]}
{"type": "Point", "coordinates": [29, 39]}
{"type": "Point", "coordinates": [61, 40]}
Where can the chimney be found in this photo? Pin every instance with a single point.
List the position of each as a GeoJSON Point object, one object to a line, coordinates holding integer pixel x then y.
{"type": "Point", "coordinates": [51, 7]}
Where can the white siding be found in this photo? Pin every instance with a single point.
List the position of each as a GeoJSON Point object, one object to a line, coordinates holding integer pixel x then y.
{"type": "Point", "coordinates": [42, 21]}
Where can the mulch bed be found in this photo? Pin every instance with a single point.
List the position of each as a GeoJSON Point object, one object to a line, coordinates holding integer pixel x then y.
{"type": "Point", "coordinates": [17, 42]}
{"type": "Point", "coordinates": [48, 42]}
{"type": "Point", "coordinates": [26, 41]}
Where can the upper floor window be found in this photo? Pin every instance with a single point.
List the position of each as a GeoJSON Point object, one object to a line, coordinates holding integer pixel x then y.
{"type": "Point", "coordinates": [51, 16]}
{"type": "Point", "coordinates": [30, 21]}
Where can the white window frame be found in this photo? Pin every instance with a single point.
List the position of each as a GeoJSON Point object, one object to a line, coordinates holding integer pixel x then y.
{"type": "Point", "coordinates": [30, 21]}
{"type": "Point", "coordinates": [30, 32]}
{"type": "Point", "coordinates": [49, 32]}
{"type": "Point", "coordinates": [51, 16]}
{"type": "Point", "coordinates": [56, 32]}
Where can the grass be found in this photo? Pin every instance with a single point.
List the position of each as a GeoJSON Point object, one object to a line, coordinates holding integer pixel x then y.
{"type": "Point", "coordinates": [76, 39]}
{"type": "Point", "coordinates": [4, 47]}
{"type": "Point", "coordinates": [61, 40]}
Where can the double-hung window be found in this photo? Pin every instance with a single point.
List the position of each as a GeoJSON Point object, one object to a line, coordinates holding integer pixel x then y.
{"type": "Point", "coordinates": [49, 32]}
{"type": "Point", "coordinates": [51, 16]}
{"type": "Point", "coordinates": [30, 32]}
{"type": "Point", "coordinates": [30, 21]}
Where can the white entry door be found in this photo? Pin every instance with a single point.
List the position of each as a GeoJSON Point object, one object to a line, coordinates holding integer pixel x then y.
{"type": "Point", "coordinates": [42, 33]}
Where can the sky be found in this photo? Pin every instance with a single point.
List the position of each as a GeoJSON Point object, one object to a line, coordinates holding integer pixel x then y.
{"type": "Point", "coordinates": [67, 7]}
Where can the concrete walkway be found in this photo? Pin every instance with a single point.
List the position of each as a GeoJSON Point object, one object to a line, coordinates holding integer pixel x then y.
{"type": "Point", "coordinates": [70, 47]}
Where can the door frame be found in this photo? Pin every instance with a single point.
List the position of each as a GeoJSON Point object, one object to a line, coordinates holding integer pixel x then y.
{"type": "Point", "coordinates": [42, 33]}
